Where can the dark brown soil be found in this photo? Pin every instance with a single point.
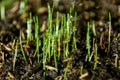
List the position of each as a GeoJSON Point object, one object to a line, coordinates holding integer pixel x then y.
{"type": "Point", "coordinates": [108, 67]}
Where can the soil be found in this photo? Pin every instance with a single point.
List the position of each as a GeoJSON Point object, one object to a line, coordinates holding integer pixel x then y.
{"type": "Point", "coordinates": [108, 67]}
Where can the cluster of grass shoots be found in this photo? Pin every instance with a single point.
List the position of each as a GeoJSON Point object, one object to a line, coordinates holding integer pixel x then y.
{"type": "Point", "coordinates": [94, 47]}
{"type": "Point", "coordinates": [57, 37]}
{"type": "Point", "coordinates": [92, 53]}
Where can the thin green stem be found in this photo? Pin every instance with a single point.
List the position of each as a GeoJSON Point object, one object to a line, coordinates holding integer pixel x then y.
{"type": "Point", "coordinates": [21, 46]}
{"type": "Point", "coordinates": [88, 40]}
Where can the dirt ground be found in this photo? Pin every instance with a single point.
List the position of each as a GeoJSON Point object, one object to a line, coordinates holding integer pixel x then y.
{"type": "Point", "coordinates": [108, 67]}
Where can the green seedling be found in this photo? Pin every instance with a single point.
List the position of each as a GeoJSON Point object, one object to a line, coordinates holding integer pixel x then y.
{"type": "Point", "coordinates": [46, 48]}
{"type": "Point", "coordinates": [72, 11]}
{"type": "Point", "coordinates": [68, 28]}
{"type": "Point", "coordinates": [44, 52]}
{"type": "Point", "coordinates": [54, 51]}
{"type": "Point", "coordinates": [36, 29]}
{"type": "Point", "coordinates": [38, 41]}
{"type": "Point", "coordinates": [74, 46]}
{"type": "Point", "coordinates": [21, 46]}
{"type": "Point", "coordinates": [29, 29]}
{"type": "Point", "coordinates": [65, 36]}
{"type": "Point", "coordinates": [95, 46]}
{"type": "Point", "coordinates": [50, 15]}
{"type": "Point", "coordinates": [95, 57]}
{"type": "Point", "coordinates": [47, 39]}
{"type": "Point", "coordinates": [88, 41]}
{"type": "Point", "coordinates": [57, 24]}
{"type": "Point", "coordinates": [59, 46]}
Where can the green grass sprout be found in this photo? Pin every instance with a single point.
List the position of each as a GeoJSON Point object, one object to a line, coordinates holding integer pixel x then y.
{"type": "Point", "coordinates": [74, 46]}
{"type": "Point", "coordinates": [37, 38]}
{"type": "Point", "coordinates": [29, 29]}
{"type": "Point", "coordinates": [44, 52]}
{"type": "Point", "coordinates": [21, 46]}
{"type": "Point", "coordinates": [95, 57]}
{"type": "Point", "coordinates": [54, 51]}
{"type": "Point", "coordinates": [88, 41]}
